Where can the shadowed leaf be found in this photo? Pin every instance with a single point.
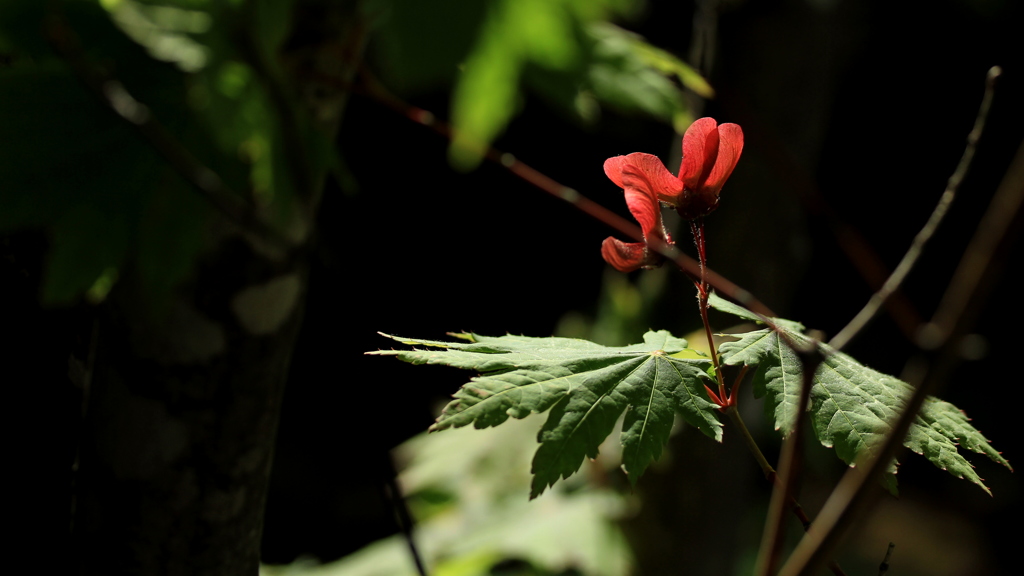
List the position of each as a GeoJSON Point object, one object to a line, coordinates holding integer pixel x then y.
{"type": "Point", "coordinates": [852, 406]}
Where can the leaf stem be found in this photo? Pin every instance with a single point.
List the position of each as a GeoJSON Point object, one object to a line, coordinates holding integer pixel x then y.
{"type": "Point", "coordinates": [769, 473]}
{"type": "Point", "coordinates": [697, 229]}
{"type": "Point", "coordinates": [782, 496]}
{"type": "Point", "coordinates": [789, 463]}
{"type": "Point", "coordinates": [373, 89]}
{"type": "Point", "coordinates": [766, 467]}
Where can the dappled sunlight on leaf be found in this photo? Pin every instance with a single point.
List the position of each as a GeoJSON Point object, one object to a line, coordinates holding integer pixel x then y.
{"type": "Point", "coordinates": [585, 386]}
{"type": "Point", "coordinates": [852, 406]}
{"type": "Point", "coordinates": [165, 31]}
{"type": "Point", "coordinates": [477, 517]}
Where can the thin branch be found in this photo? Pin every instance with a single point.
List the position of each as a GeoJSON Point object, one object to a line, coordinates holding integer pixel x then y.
{"type": "Point", "coordinates": [966, 293]}
{"type": "Point", "coordinates": [789, 462]}
{"type": "Point", "coordinates": [892, 284]}
{"type": "Point", "coordinates": [697, 229]}
{"type": "Point", "coordinates": [116, 97]}
{"type": "Point", "coordinates": [748, 439]}
{"type": "Point", "coordinates": [772, 541]}
{"type": "Point", "coordinates": [771, 476]}
{"type": "Point", "coordinates": [688, 265]}
{"type": "Point", "coordinates": [811, 356]}
{"type": "Point", "coordinates": [281, 99]}
{"type": "Point", "coordinates": [884, 566]}
{"type": "Point", "coordinates": [793, 175]}
{"type": "Point", "coordinates": [402, 516]}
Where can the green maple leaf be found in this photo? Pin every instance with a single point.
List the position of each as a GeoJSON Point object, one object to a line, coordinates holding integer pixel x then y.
{"type": "Point", "coordinates": [585, 386]}
{"type": "Point", "coordinates": [852, 406]}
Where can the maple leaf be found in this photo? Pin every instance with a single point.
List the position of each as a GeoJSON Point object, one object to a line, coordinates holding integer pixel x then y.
{"type": "Point", "coordinates": [585, 386]}
{"type": "Point", "coordinates": [852, 406]}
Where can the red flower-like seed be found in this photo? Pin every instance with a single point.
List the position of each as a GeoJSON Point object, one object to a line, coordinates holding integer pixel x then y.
{"type": "Point", "coordinates": [638, 175]}
{"type": "Point", "coordinates": [710, 153]}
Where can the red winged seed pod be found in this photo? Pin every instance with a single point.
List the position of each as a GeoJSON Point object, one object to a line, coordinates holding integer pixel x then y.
{"type": "Point", "coordinates": [633, 174]}
{"type": "Point", "coordinates": [710, 153]}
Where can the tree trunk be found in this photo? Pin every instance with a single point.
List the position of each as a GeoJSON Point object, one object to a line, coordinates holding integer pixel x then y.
{"type": "Point", "coordinates": [183, 405]}
{"type": "Point", "coordinates": [182, 414]}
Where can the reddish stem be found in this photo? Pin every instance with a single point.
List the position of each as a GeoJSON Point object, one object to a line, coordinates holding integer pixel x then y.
{"type": "Point", "coordinates": [697, 228]}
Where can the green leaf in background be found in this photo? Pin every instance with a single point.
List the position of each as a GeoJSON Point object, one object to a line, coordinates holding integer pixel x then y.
{"type": "Point", "coordinates": [658, 59]}
{"type": "Point", "coordinates": [419, 46]}
{"type": "Point", "coordinates": [546, 34]}
{"type": "Point", "coordinates": [852, 406]}
{"type": "Point", "coordinates": [564, 50]}
{"type": "Point", "coordinates": [72, 166]}
{"type": "Point", "coordinates": [164, 29]}
{"type": "Point", "coordinates": [630, 75]}
{"type": "Point", "coordinates": [585, 385]}
{"type": "Point", "coordinates": [464, 489]}
{"type": "Point", "coordinates": [103, 193]}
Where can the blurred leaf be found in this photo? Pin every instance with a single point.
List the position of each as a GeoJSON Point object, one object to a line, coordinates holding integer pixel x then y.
{"type": "Point", "coordinates": [420, 46]}
{"type": "Point", "coordinates": [19, 27]}
{"type": "Point", "coordinates": [272, 24]}
{"type": "Point", "coordinates": [564, 50]}
{"type": "Point", "coordinates": [656, 58]}
{"type": "Point", "coordinates": [632, 76]}
{"type": "Point", "coordinates": [165, 30]}
{"type": "Point", "coordinates": [102, 286]}
{"type": "Point", "coordinates": [515, 33]}
{"type": "Point", "coordinates": [485, 98]}
{"type": "Point", "coordinates": [487, 521]}
{"type": "Point", "coordinates": [171, 233]}
{"type": "Point", "coordinates": [86, 243]}
{"type": "Point", "coordinates": [468, 564]}
{"type": "Point", "coordinates": [71, 165]}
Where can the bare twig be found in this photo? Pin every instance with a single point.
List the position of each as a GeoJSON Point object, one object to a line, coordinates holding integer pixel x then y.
{"type": "Point", "coordinates": [789, 462]}
{"type": "Point", "coordinates": [917, 246]}
{"type": "Point", "coordinates": [961, 302]}
{"type": "Point", "coordinates": [771, 476]}
{"type": "Point", "coordinates": [884, 566]}
{"type": "Point", "coordinates": [793, 176]}
{"type": "Point", "coordinates": [403, 518]}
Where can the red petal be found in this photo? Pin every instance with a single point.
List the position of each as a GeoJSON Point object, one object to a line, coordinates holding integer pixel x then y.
{"type": "Point", "coordinates": [729, 150]}
{"type": "Point", "coordinates": [646, 172]}
{"type": "Point", "coordinates": [613, 169]}
{"type": "Point", "coordinates": [622, 256]}
{"type": "Point", "coordinates": [643, 172]}
{"type": "Point", "coordinates": [647, 211]}
{"type": "Point", "coordinates": [700, 149]}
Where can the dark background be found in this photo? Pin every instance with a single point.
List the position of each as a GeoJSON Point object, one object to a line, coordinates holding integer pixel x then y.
{"type": "Point", "coordinates": [855, 109]}
{"type": "Point", "coordinates": [862, 107]}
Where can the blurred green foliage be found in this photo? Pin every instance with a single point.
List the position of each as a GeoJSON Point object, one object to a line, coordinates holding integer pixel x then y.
{"type": "Point", "coordinates": [205, 71]}
{"type": "Point", "coordinates": [91, 178]}
{"type": "Point", "coordinates": [467, 490]}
